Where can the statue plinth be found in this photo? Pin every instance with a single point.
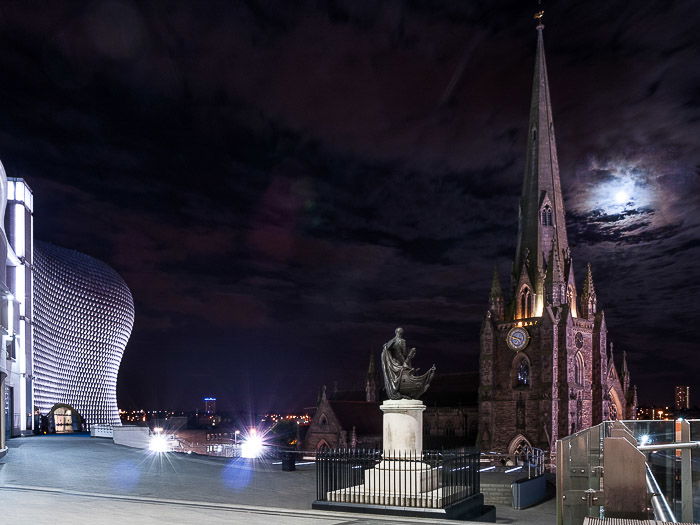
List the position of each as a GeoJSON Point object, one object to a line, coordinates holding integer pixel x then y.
{"type": "Point", "coordinates": [402, 427]}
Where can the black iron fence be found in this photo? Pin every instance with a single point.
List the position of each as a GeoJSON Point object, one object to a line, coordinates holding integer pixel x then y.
{"type": "Point", "coordinates": [427, 479]}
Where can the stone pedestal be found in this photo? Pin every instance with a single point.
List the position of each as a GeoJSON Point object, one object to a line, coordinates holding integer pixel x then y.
{"type": "Point", "coordinates": [403, 426]}
{"type": "Point", "coordinates": [402, 483]}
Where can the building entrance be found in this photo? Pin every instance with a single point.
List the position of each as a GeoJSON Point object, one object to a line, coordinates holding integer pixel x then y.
{"type": "Point", "coordinates": [65, 420]}
{"type": "Point", "coordinates": [63, 417]}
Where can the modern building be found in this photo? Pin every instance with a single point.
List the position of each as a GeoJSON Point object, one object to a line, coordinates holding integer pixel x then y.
{"type": "Point", "coordinates": [65, 321]}
{"type": "Point", "coordinates": [16, 245]}
{"type": "Point", "coordinates": [682, 397]}
{"type": "Point", "coordinates": [546, 368]}
{"type": "Point", "coordinates": [210, 405]}
{"type": "Point", "coordinates": [83, 315]}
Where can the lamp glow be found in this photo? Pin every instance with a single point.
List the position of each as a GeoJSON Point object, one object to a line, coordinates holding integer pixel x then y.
{"type": "Point", "coordinates": [159, 444]}
{"type": "Point", "coordinates": [645, 439]}
{"type": "Point", "coordinates": [253, 446]}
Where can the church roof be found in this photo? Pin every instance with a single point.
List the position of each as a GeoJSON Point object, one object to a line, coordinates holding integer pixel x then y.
{"type": "Point", "coordinates": [365, 417]}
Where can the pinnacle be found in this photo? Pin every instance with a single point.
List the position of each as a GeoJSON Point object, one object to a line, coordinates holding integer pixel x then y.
{"type": "Point", "coordinates": [496, 290]}
{"type": "Point", "coordinates": [588, 288]}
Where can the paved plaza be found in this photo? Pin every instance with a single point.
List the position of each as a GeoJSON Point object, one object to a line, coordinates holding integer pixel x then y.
{"type": "Point", "coordinates": [78, 479]}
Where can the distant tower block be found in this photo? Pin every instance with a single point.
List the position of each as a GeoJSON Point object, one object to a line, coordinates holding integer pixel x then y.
{"type": "Point", "coordinates": [83, 315]}
{"type": "Point", "coordinates": [682, 397]}
{"type": "Point", "coordinates": [210, 405]}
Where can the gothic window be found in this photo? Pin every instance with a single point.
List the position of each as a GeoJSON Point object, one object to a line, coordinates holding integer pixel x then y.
{"type": "Point", "coordinates": [323, 421]}
{"type": "Point", "coordinates": [570, 295]}
{"type": "Point", "coordinates": [522, 373]}
{"type": "Point", "coordinates": [525, 302]}
{"type": "Point", "coordinates": [579, 368]}
{"type": "Point", "coordinates": [547, 215]}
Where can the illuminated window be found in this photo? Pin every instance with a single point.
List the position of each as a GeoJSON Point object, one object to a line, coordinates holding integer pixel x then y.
{"type": "Point", "coordinates": [525, 302]}
{"type": "Point", "coordinates": [19, 191]}
{"type": "Point", "coordinates": [522, 373]}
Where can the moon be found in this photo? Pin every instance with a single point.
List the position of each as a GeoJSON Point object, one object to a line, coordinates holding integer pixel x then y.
{"type": "Point", "coordinates": [621, 197]}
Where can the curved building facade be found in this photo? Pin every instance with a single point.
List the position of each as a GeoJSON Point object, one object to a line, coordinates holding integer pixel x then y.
{"type": "Point", "coordinates": [83, 316]}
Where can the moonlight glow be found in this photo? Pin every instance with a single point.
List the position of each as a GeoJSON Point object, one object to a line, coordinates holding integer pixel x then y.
{"type": "Point", "coordinates": [625, 189]}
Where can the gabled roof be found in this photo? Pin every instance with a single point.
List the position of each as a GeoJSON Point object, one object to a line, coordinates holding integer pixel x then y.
{"type": "Point", "coordinates": [365, 417]}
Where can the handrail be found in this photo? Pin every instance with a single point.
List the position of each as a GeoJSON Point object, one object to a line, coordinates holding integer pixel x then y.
{"type": "Point", "coordinates": [662, 510]}
{"type": "Point", "coordinates": [669, 446]}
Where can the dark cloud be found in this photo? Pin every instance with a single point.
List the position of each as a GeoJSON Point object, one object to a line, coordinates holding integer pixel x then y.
{"type": "Point", "coordinates": [283, 185]}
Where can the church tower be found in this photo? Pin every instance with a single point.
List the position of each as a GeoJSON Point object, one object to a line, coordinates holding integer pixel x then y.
{"type": "Point", "coordinates": [543, 360]}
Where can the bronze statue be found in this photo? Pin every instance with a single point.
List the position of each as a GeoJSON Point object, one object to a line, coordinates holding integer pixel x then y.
{"type": "Point", "coordinates": [400, 380]}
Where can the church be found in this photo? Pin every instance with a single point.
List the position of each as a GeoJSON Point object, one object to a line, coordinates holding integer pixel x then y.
{"type": "Point", "coordinates": [546, 367]}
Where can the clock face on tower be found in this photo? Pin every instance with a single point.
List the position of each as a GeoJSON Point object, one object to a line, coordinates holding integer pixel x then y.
{"type": "Point", "coordinates": [517, 338]}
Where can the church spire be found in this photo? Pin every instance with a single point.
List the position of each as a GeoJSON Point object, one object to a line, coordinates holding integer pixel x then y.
{"type": "Point", "coordinates": [541, 218]}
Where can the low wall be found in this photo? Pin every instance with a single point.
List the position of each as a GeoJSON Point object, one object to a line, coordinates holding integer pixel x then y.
{"type": "Point", "coordinates": [137, 437]}
{"type": "Point", "coordinates": [101, 431]}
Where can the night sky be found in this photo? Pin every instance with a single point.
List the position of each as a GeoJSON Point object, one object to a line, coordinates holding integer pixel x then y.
{"type": "Point", "coordinates": [281, 184]}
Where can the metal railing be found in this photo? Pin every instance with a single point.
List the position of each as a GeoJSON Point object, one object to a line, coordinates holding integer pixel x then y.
{"type": "Point", "coordinates": [531, 460]}
{"type": "Point", "coordinates": [427, 479]}
{"type": "Point", "coordinates": [623, 467]}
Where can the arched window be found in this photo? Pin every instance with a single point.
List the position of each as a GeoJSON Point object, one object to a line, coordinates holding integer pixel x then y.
{"type": "Point", "coordinates": [547, 215]}
{"type": "Point", "coordinates": [323, 421]}
{"type": "Point", "coordinates": [579, 368]}
{"type": "Point", "coordinates": [525, 302]}
{"type": "Point", "coordinates": [570, 295]}
{"type": "Point", "coordinates": [522, 373]}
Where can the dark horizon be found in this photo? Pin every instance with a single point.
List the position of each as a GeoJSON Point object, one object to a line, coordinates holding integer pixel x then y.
{"type": "Point", "coordinates": [281, 187]}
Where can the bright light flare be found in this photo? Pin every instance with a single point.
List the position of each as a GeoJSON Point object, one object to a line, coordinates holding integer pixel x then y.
{"type": "Point", "coordinates": [253, 445]}
{"type": "Point", "coordinates": [645, 439]}
{"type": "Point", "coordinates": [159, 444]}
